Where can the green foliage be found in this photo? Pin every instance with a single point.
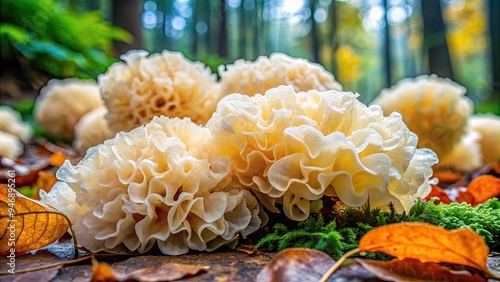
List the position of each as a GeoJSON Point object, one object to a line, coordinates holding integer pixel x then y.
{"type": "Point", "coordinates": [343, 234]}
{"type": "Point", "coordinates": [54, 39]}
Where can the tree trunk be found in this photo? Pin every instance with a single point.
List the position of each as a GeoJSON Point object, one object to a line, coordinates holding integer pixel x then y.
{"type": "Point", "coordinates": [223, 30]}
{"type": "Point", "coordinates": [256, 29]}
{"type": "Point", "coordinates": [242, 32]}
{"type": "Point", "coordinates": [314, 32]}
{"type": "Point", "coordinates": [387, 48]}
{"type": "Point", "coordinates": [435, 45]}
{"type": "Point", "coordinates": [127, 15]}
{"type": "Point", "coordinates": [334, 43]}
{"type": "Point", "coordinates": [494, 26]}
{"type": "Point", "coordinates": [194, 32]}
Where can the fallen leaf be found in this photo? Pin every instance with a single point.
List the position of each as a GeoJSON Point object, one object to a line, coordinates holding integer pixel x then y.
{"type": "Point", "coordinates": [428, 243]}
{"type": "Point", "coordinates": [57, 159]}
{"type": "Point", "coordinates": [296, 264]}
{"type": "Point", "coordinates": [439, 193]}
{"type": "Point", "coordinates": [481, 189]}
{"type": "Point", "coordinates": [414, 270]}
{"type": "Point", "coordinates": [27, 225]}
{"type": "Point", "coordinates": [101, 271]}
{"type": "Point", "coordinates": [447, 176]}
{"type": "Point", "coordinates": [44, 182]}
{"type": "Point", "coordinates": [40, 275]}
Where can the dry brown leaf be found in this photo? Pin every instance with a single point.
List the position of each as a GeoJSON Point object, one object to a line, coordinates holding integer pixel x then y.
{"type": "Point", "coordinates": [102, 272]}
{"type": "Point", "coordinates": [27, 225]}
{"type": "Point", "coordinates": [414, 270]}
{"type": "Point", "coordinates": [428, 243]}
{"type": "Point", "coordinates": [296, 264]}
{"type": "Point", "coordinates": [480, 190]}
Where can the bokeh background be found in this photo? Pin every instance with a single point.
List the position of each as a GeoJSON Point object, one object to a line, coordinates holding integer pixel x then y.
{"type": "Point", "coordinates": [368, 45]}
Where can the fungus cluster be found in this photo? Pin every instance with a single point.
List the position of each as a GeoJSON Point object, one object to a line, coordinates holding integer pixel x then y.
{"type": "Point", "coordinates": [434, 108]}
{"type": "Point", "coordinates": [62, 103]}
{"type": "Point", "coordinates": [144, 86]}
{"type": "Point", "coordinates": [250, 78]}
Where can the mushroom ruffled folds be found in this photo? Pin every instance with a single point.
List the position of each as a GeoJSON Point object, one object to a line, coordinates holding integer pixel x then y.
{"type": "Point", "coordinates": [62, 103]}
{"type": "Point", "coordinates": [12, 122]}
{"type": "Point", "coordinates": [250, 78]}
{"type": "Point", "coordinates": [142, 87]}
{"type": "Point", "coordinates": [155, 186]}
{"type": "Point", "coordinates": [293, 148]}
{"type": "Point", "coordinates": [488, 125]}
{"type": "Point", "coordinates": [434, 108]}
{"type": "Point", "coordinates": [91, 130]}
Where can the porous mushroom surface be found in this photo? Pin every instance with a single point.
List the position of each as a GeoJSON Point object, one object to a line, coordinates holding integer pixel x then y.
{"type": "Point", "coordinates": [145, 85]}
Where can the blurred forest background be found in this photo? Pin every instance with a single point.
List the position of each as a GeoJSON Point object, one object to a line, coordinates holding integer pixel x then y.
{"type": "Point", "coordinates": [368, 45]}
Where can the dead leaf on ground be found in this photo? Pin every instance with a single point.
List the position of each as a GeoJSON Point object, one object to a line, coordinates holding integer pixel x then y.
{"type": "Point", "coordinates": [296, 264]}
{"type": "Point", "coordinates": [414, 270]}
{"type": "Point", "coordinates": [439, 193]}
{"type": "Point", "coordinates": [428, 243]}
{"type": "Point", "coordinates": [480, 190]}
{"type": "Point", "coordinates": [27, 225]}
{"type": "Point", "coordinates": [101, 271]}
{"type": "Point", "coordinates": [447, 176]}
{"type": "Point", "coordinates": [44, 275]}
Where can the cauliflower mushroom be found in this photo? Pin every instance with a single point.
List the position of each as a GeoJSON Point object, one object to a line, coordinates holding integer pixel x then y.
{"type": "Point", "coordinates": [293, 148]}
{"type": "Point", "coordinates": [250, 78]}
{"type": "Point", "coordinates": [434, 108]}
{"type": "Point", "coordinates": [142, 87]}
{"type": "Point", "coordinates": [153, 186]}
{"type": "Point", "coordinates": [62, 103]}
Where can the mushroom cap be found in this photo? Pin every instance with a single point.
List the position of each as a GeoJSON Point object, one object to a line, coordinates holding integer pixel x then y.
{"type": "Point", "coordinates": [434, 108]}
{"type": "Point", "coordinates": [150, 186]}
{"type": "Point", "coordinates": [488, 125]}
{"type": "Point", "coordinates": [62, 103]}
{"type": "Point", "coordinates": [12, 122]}
{"type": "Point", "coordinates": [10, 146]}
{"type": "Point", "coordinates": [92, 129]}
{"type": "Point", "coordinates": [293, 148]}
{"type": "Point", "coordinates": [250, 78]}
{"type": "Point", "coordinates": [142, 87]}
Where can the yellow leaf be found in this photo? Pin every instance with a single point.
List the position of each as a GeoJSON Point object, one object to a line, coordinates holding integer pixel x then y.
{"type": "Point", "coordinates": [428, 243]}
{"type": "Point", "coordinates": [27, 225]}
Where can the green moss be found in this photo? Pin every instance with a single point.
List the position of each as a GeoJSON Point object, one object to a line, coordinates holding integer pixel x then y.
{"type": "Point", "coordinates": [335, 237]}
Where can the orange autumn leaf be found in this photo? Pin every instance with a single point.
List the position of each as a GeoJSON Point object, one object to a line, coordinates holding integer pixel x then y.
{"type": "Point", "coordinates": [414, 270]}
{"type": "Point", "coordinates": [428, 243]}
{"type": "Point", "coordinates": [439, 193]}
{"type": "Point", "coordinates": [27, 225]}
{"type": "Point", "coordinates": [484, 188]}
{"type": "Point", "coordinates": [44, 182]}
{"type": "Point", "coordinates": [57, 159]}
{"type": "Point", "coordinates": [447, 176]}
